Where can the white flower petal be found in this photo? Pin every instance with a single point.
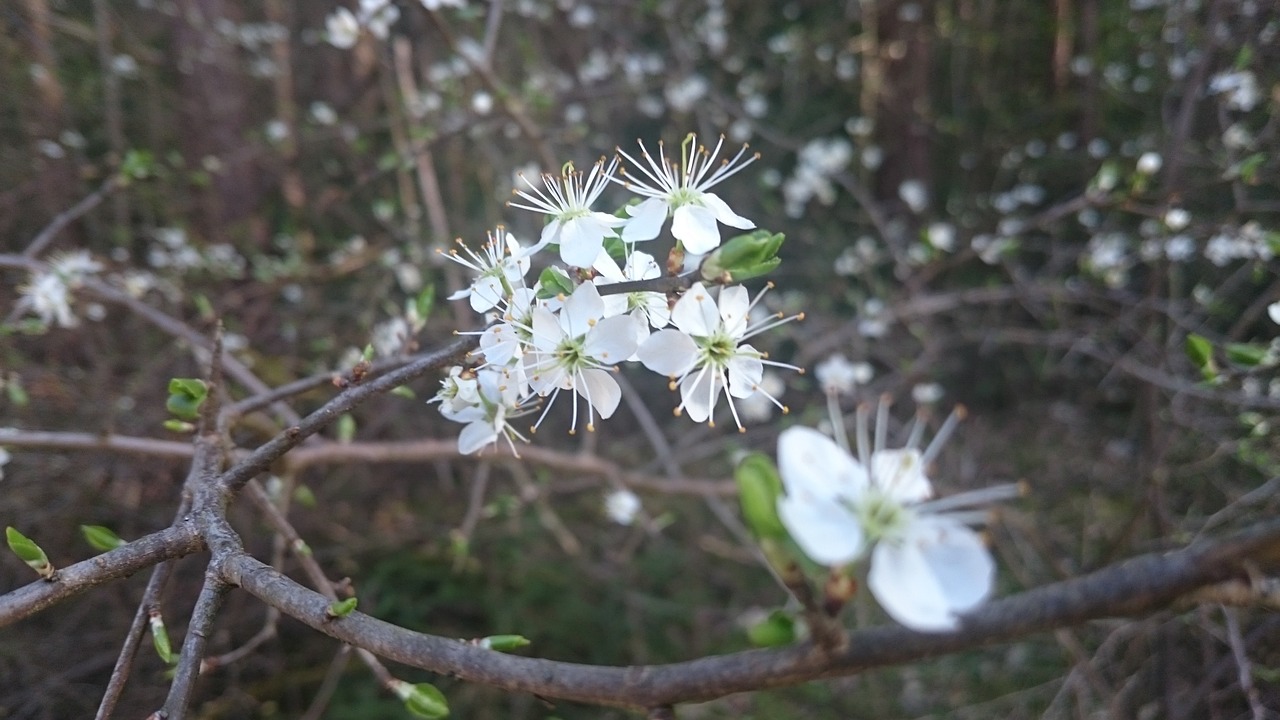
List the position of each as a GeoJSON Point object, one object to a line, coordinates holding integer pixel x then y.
{"type": "Point", "coordinates": [486, 293]}
{"type": "Point", "coordinates": [695, 226]}
{"type": "Point", "coordinates": [607, 269]}
{"type": "Point", "coordinates": [582, 309]}
{"type": "Point", "coordinates": [476, 436]}
{"type": "Point", "coordinates": [960, 560]}
{"type": "Point", "coordinates": [695, 312]}
{"type": "Point", "coordinates": [745, 374]}
{"type": "Point", "coordinates": [938, 569]}
{"type": "Point", "coordinates": [826, 532]}
{"type": "Point", "coordinates": [668, 352]}
{"type": "Point", "coordinates": [646, 220]}
{"type": "Point", "coordinates": [904, 585]}
{"type": "Point", "coordinates": [816, 470]}
{"type": "Point", "coordinates": [734, 304]}
{"type": "Point", "coordinates": [547, 332]}
{"type": "Point", "coordinates": [723, 213]}
{"type": "Point", "coordinates": [1273, 312]}
{"type": "Point", "coordinates": [612, 340]}
{"type": "Point", "coordinates": [580, 242]}
{"type": "Point", "coordinates": [900, 474]}
{"type": "Point", "coordinates": [698, 393]}
{"type": "Point", "coordinates": [601, 390]}
{"type": "Point", "coordinates": [642, 266]}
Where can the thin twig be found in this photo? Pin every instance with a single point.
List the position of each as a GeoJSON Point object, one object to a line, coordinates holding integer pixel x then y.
{"type": "Point", "coordinates": [160, 575]}
{"type": "Point", "coordinates": [71, 214]}
{"type": "Point", "coordinates": [320, 701]}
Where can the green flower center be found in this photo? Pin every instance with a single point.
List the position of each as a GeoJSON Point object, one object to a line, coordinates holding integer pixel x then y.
{"type": "Point", "coordinates": [717, 349]}
{"type": "Point", "coordinates": [881, 517]}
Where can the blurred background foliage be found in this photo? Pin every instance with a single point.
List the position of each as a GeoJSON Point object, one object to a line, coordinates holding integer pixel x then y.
{"type": "Point", "coordinates": [980, 199]}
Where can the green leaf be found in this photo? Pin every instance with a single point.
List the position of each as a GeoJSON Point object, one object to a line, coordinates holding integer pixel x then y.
{"type": "Point", "coordinates": [503, 643]}
{"type": "Point", "coordinates": [346, 428]}
{"type": "Point", "coordinates": [160, 639]}
{"type": "Point", "coordinates": [188, 386]}
{"type": "Point", "coordinates": [101, 538]}
{"type": "Point", "coordinates": [743, 257]}
{"type": "Point", "coordinates": [1200, 350]}
{"type": "Point", "coordinates": [203, 306]}
{"type": "Point", "coordinates": [138, 164]}
{"type": "Point", "coordinates": [425, 301]}
{"type": "Point", "coordinates": [423, 700]}
{"type": "Point", "coordinates": [775, 630]}
{"type": "Point", "coordinates": [1247, 354]}
{"type": "Point", "coordinates": [181, 426]}
{"type": "Point", "coordinates": [404, 391]}
{"type": "Point", "coordinates": [186, 395]}
{"type": "Point", "coordinates": [759, 487]}
{"type": "Point", "coordinates": [17, 394]}
{"type": "Point", "coordinates": [554, 282]}
{"type": "Point", "coordinates": [29, 552]}
{"type": "Point", "coordinates": [304, 497]}
{"type": "Point", "coordinates": [341, 608]}
{"type": "Point", "coordinates": [367, 355]}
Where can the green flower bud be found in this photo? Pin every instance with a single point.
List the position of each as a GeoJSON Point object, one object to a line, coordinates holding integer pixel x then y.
{"type": "Point", "coordinates": [341, 608]}
{"type": "Point", "coordinates": [160, 638]}
{"type": "Point", "coordinates": [1200, 351]}
{"type": "Point", "coordinates": [1247, 354]}
{"type": "Point", "coordinates": [186, 395]}
{"type": "Point", "coordinates": [554, 282]}
{"type": "Point", "coordinates": [503, 643]}
{"type": "Point", "coordinates": [743, 257]}
{"type": "Point", "coordinates": [101, 538]}
{"type": "Point", "coordinates": [777, 629]}
{"type": "Point", "coordinates": [423, 700]}
{"type": "Point", "coordinates": [759, 488]}
{"type": "Point", "coordinates": [29, 552]}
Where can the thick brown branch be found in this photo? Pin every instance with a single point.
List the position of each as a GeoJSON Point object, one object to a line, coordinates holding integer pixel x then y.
{"type": "Point", "coordinates": [1143, 584]}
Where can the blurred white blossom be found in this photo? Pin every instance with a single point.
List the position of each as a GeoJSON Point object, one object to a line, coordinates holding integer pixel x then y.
{"type": "Point", "coordinates": [622, 506]}
{"type": "Point", "coordinates": [837, 374]}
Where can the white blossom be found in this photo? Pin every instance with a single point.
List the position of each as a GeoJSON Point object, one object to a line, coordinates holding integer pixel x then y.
{"type": "Point", "coordinates": [914, 194]}
{"type": "Point", "coordinates": [573, 225]}
{"type": "Point", "coordinates": [621, 506]}
{"type": "Point", "coordinates": [705, 354]}
{"type": "Point", "coordinates": [500, 268]}
{"type": "Point", "coordinates": [486, 402]}
{"type": "Point", "coordinates": [48, 296]}
{"type": "Point", "coordinates": [342, 28]}
{"type": "Point", "coordinates": [1149, 163]}
{"type": "Point", "coordinates": [575, 350]}
{"type": "Point", "coordinates": [837, 374]}
{"type": "Point", "coordinates": [927, 566]}
{"type": "Point", "coordinates": [680, 190]}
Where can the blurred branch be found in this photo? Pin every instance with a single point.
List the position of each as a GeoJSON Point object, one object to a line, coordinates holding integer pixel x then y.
{"type": "Point", "coordinates": [71, 214]}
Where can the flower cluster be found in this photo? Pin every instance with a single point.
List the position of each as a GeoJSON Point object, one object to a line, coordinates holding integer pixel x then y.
{"type": "Point", "coordinates": [48, 293]}
{"type": "Point", "coordinates": [927, 566]}
{"type": "Point", "coordinates": [568, 331]}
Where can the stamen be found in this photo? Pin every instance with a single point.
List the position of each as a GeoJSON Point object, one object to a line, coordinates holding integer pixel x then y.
{"type": "Point", "coordinates": [837, 423]}
{"type": "Point", "coordinates": [864, 451]}
{"type": "Point", "coordinates": [974, 498]}
{"type": "Point", "coordinates": [935, 446]}
{"type": "Point", "coordinates": [882, 420]}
